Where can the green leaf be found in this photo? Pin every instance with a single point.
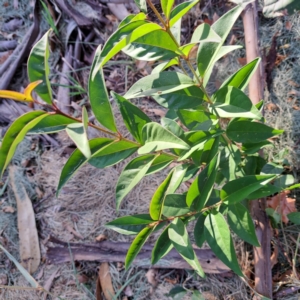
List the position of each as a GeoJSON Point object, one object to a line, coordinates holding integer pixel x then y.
{"type": "Point", "coordinates": [166, 6]}
{"type": "Point", "coordinates": [121, 38]}
{"type": "Point", "coordinates": [158, 199]}
{"type": "Point", "coordinates": [158, 138]}
{"type": "Point", "coordinates": [272, 168]}
{"type": "Point", "coordinates": [284, 181]}
{"type": "Point", "coordinates": [294, 186]}
{"type": "Point", "coordinates": [250, 132]}
{"type": "Point", "coordinates": [224, 50]}
{"type": "Point", "coordinates": [130, 224]}
{"type": "Point", "coordinates": [294, 217]}
{"type": "Point", "coordinates": [230, 160]}
{"type": "Point", "coordinates": [172, 126]}
{"type": "Point", "coordinates": [181, 242]}
{"type": "Point", "coordinates": [15, 134]}
{"type": "Point", "coordinates": [133, 117]}
{"type": "Point", "coordinates": [207, 53]}
{"type": "Point", "coordinates": [162, 247]}
{"type": "Point", "coordinates": [156, 45]}
{"type": "Point", "coordinates": [255, 147]}
{"type": "Point", "coordinates": [210, 149]}
{"type": "Point", "coordinates": [112, 153]}
{"type": "Point", "coordinates": [180, 10]}
{"type": "Point", "coordinates": [159, 84]}
{"type": "Point", "coordinates": [132, 175]}
{"type": "Point", "coordinates": [218, 237]}
{"type": "Point", "coordinates": [197, 119]}
{"type": "Point", "coordinates": [181, 99]}
{"type": "Point", "coordinates": [99, 97]}
{"type": "Point", "coordinates": [38, 67]}
{"type": "Point", "coordinates": [204, 33]}
{"type": "Point", "coordinates": [200, 190]}
{"type": "Point", "coordinates": [241, 78]}
{"type": "Point", "coordinates": [264, 191]}
{"type": "Point", "coordinates": [241, 223]}
{"type": "Point", "coordinates": [197, 296]}
{"type": "Point", "coordinates": [77, 133]}
{"type": "Point", "coordinates": [51, 124]}
{"type": "Point", "coordinates": [278, 8]}
{"type": "Point", "coordinates": [142, 5]}
{"type": "Point", "coordinates": [177, 293]}
{"type": "Point", "coordinates": [77, 160]}
{"type": "Point", "coordinates": [164, 65]}
{"type": "Point", "coordinates": [199, 231]}
{"type": "Point", "coordinates": [230, 102]}
{"type": "Point", "coordinates": [238, 189]}
{"type": "Point", "coordinates": [160, 162]}
{"type": "Point", "coordinates": [175, 205]}
{"type": "Point", "coordinates": [137, 245]}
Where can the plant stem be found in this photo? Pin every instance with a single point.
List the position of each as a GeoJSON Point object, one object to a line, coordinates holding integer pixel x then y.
{"type": "Point", "coordinates": [158, 15]}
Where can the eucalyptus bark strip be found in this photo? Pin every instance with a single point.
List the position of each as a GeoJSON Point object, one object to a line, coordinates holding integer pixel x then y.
{"type": "Point", "coordinates": [262, 262]}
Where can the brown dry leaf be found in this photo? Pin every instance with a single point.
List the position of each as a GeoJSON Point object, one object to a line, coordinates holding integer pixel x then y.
{"type": "Point", "coordinates": [29, 242]}
{"type": "Point", "coordinates": [288, 25]}
{"type": "Point", "coordinates": [279, 59]}
{"type": "Point", "coordinates": [293, 83]}
{"type": "Point", "coordinates": [82, 278]}
{"type": "Point", "coordinates": [101, 237]}
{"type": "Point", "coordinates": [274, 256]}
{"type": "Point", "coordinates": [242, 61]}
{"type": "Point", "coordinates": [72, 230]}
{"type": "Point", "coordinates": [151, 276]}
{"type": "Point", "coordinates": [8, 209]}
{"type": "Point", "coordinates": [105, 281]}
{"type": "Point", "coordinates": [282, 204]}
{"type": "Point", "coordinates": [49, 281]}
{"type": "Point", "coordinates": [172, 281]}
{"type": "Point", "coordinates": [271, 107]}
{"type": "Point", "coordinates": [98, 290]}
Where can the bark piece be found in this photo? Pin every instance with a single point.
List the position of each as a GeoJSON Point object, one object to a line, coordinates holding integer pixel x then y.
{"type": "Point", "coordinates": [107, 251]}
{"type": "Point", "coordinates": [28, 237]}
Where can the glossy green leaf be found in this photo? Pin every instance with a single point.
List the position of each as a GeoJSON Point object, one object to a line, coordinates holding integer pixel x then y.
{"type": "Point", "coordinates": [38, 67]}
{"type": "Point", "coordinates": [175, 205]}
{"type": "Point", "coordinates": [132, 175]}
{"type": "Point", "coordinates": [241, 78]}
{"type": "Point", "coordinates": [142, 5]}
{"type": "Point", "coordinates": [112, 153]}
{"type": "Point", "coordinates": [200, 190]}
{"type": "Point", "coordinates": [167, 6]}
{"type": "Point", "coordinates": [159, 84]}
{"type": "Point", "coordinates": [230, 102]}
{"type": "Point", "coordinates": [77, 133]}
{"type": "Point", "coordinates": [181, 242]}
{"type": "Point", "coordinates": [210, 149]}
{"type": "Point", "coordinates": [137, 245]}
{"type": "Point", "coordinates": [204, 33]}
{"type": "Point", "coordinates": [172, 126]}
{"type": "Point", "coordinates": [238, 189]}
{"type": "Point", "coordinates": [199, 231]}
{"type": "Point", "coordinates": [230, 160]}
{"type": "Point", "coordinates": [197, 119]}
{"type": "Point", "coordinates": [158, 199]}
{"type": "Point", "coordinates": [208, 52]}
{"type": "Point", "coordinates": [121, 38]}
{"type": "Point", "coordinates": [156, 45]}
{"type": "Point", "coordinates": [77, 160]}
{"type": "Point", "coordinates": [164, 65]}
{"type": "Point", "coordinates": [264, 191]}
{"type": "Point", "coordinates": [294, 217]}
{"type": "Point", "coordinates": [255, 147]}
{"type": "Point", "coordinates": [224, 50]}
{"type": "Point", "coordinates": [160, 162]}
{"type": "Point", "coordinates": [158, 138]}
{"type": "Point", "coordinates": [181, 99]}
{"type": "Point", "coordinates": [99, 97]}
{"type": "Point", "coordinates": [51, 124]}
{"type": "Point", "coordinates": [240, 221]}
{"type": "Point", "coordinates": [250, 132]}
{"type": "Point", "coordinates": [130, 224]}
{"type": "Point", "coordinates": [272, 168]}
{"type": "Point", "coordinates": [218, 237]}
{"type": "Point", "coordinates": [180, 10]}
{"type": "Point", "coordinates": [15, 134]}
{"type": "Point", "coordinates": [284, 181]}
{"type": "Point", "coordinates": [133, 117]}
{"type": "Point", "coordinates": [294, 186]}
{"type": "Point", "coordinates": [278, 8]}
{"type": "Point", "coordinates": [162, 247]}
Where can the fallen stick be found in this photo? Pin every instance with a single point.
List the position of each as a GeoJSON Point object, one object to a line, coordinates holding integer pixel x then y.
{"type": "Point", "coordinates": [107, 251]}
